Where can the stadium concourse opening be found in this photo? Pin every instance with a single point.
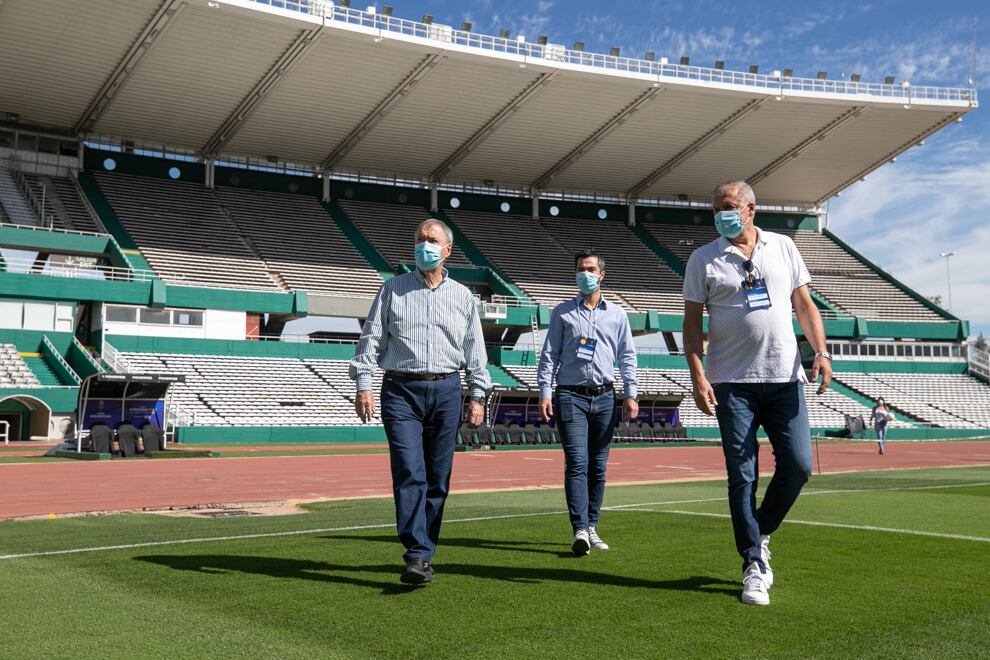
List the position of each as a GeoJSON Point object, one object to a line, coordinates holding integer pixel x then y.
{"type": "Point", "coordinates": [23, 417]}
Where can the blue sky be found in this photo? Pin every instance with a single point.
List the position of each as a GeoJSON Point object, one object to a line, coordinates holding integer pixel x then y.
{"type": "Point", "coordinates": [903, 215]}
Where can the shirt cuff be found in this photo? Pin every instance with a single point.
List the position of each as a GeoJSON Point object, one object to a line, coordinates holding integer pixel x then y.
{"type": "Point", "coordinates": [546, 393]}
{"type": "Point", "coordinates": [364, 382]}
{"type": "Point", "coordinates": [631, 392]}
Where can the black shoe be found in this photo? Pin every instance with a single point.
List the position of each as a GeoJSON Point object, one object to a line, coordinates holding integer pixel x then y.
{"type": "Point", "coordinates": [416, 571]}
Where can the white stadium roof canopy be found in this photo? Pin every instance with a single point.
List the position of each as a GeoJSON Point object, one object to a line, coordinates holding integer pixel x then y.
{"type": "Point", "coordinates": [350, 91]}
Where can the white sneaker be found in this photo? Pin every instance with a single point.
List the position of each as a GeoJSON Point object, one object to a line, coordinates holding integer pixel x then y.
{"type": "Point", "coordinates": [755, 590]}
{"type": "Point", "coordinates": [582, 543]}
{"type": "Point", "coordinates": [596, 541]}
{"type": "Point", "coordinates": [765, 556]}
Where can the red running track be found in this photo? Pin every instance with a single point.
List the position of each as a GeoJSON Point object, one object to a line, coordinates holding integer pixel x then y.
{"type": "Point", "coordinates": [37, 489]}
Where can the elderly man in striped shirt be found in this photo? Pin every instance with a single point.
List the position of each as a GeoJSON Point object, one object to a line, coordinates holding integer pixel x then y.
{"type": "Point", "coordinates": [423, 328]}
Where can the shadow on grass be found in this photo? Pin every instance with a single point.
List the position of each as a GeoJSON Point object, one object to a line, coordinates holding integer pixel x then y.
{"type": "Point", "coordinates": [483, 544]}
{"type": "Point", "coordinates": [320, 571]}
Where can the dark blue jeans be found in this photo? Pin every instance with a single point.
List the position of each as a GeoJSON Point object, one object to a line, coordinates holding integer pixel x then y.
{"type": "Point", "coordinates": [421, 419]}
{"type": "Point", "coordinates": [586, 424]}
{"type": "Point", "coordinates": [781, 410]}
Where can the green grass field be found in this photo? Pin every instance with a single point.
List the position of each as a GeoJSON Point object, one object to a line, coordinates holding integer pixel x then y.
{"type": "Point", "coordinates": [897, 564]}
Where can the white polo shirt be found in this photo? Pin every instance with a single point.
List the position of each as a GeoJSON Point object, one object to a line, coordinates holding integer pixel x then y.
{"type": "Point", "coordinates": [744, 345]}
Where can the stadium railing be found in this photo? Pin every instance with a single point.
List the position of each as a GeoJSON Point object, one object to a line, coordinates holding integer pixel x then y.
{"type": "Point", "coordinates": [305, 339]}
{"type": "Point", "coordinates": [774, 82]}
{"type": "Point", "coordinates": [979, 362]}
{"type": "Point", "coordinates": [89, 271]}
{"type": "Point", "coordinates": [55, 230]}
{"type": "Point", "coordinates": [510, 301]}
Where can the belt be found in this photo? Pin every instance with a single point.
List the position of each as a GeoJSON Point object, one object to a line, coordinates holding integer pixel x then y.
{"type": "Point", "coordinates": [587, 390]}
{"type": "Point", "coordinates": [405, 375]}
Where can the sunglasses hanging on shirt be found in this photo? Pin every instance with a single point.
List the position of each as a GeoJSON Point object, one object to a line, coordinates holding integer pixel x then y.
{"type": "Point", "coordinates": [750, 281]}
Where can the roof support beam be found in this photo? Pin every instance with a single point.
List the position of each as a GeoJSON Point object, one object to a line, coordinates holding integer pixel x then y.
{"type": "Point", "coordinates": [618, 120]}
{"type": "Point", "coordinates": [818, 137]}
{"type": "Point", "coordinates": [160, 22]}
{"type": "Point", "coordinates": [292, 56]}
{"type": "Point", "coordinates": [693, 148]}
{"type": "Point", "coordinates": [892, 154]}
{"type": "Point", "coordinates": [427, 65]}
{"type": "Point", "coordinates": [483, 133]}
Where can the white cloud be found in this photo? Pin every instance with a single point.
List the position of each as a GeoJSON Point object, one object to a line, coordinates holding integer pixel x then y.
{"type": "Point", "coordinates": [908, 212]}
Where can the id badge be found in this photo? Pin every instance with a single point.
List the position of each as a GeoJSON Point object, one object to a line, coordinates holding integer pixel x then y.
{"type": "Point", "coordinates": [586, 349]}
{"type": "Point", "coordinates": [758, 297]}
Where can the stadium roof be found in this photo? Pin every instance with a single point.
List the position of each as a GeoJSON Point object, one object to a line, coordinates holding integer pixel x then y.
{"type": "Point", "coordinates": [351, 91]}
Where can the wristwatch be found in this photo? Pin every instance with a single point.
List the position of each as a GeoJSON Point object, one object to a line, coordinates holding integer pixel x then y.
{"type": "Point", "coordinates": [478, 399]}
{"type": "Point", "coordinates": [824, 354]}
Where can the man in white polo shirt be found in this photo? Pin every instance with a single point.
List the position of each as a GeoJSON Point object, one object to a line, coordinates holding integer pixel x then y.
{"type": "Point", "coordinates": [750, 281]}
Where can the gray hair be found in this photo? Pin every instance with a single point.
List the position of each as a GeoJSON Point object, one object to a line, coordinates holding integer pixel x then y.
{"type": "Point", "coordinates": [740, 187]}
{"type": "Point", "coordinates": [447, 233]}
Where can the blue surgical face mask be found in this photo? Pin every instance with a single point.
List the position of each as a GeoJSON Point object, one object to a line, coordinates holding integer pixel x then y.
{"type": "Point", "coordinates": [586, 282]}
{"type": "Point", "coordinates": [729, 223]}
{"type": "Point", "coordinates": [427, 255]}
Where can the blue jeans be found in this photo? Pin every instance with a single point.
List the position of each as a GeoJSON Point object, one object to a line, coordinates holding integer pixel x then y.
{"type": "Point", "coordinates": [586, 424]}
{"type": "Point", "coordinates": [421, 419]}
{"type": "Point", "coordinates": [881, 433]}
{"type": "Point", "coordinates": [781, 409]}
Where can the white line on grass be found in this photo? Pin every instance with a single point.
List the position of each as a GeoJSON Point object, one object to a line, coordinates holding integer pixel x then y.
{"type": "Point", "coordinates": [870, 490]}
{"type": "Point", "coordinates": [618, 507]}
{"type": "Point", "coordinates": [815, 523]}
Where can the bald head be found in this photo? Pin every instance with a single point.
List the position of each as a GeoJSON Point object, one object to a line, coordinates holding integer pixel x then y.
{"type": "Point", "coordinates": [738, 191]}
{"type": "Point", "coordinates": [432, 225]}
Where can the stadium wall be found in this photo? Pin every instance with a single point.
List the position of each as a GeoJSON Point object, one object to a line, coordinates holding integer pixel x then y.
{"type": "Point", "coordinates": [219, 435]}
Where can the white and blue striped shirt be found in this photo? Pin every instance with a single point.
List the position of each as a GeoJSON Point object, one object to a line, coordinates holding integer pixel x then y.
{"type": "Point", "coordinates": [416, 329]}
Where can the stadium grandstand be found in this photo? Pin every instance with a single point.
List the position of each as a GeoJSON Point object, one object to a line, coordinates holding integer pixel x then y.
{"type": "Point", "coordinates": [162, 216]}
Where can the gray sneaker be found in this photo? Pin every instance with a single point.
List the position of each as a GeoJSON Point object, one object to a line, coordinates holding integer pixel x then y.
{"type": "Point", "coordinates": [596, 541]}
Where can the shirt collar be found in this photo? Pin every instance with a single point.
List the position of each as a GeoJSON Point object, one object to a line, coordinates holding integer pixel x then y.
{"type": "Point", "coordinates": [422, 280]}
{"type": "Point", "coordinates": [727, 246]}
{"type": "Point", "coordinates": [579, 301]}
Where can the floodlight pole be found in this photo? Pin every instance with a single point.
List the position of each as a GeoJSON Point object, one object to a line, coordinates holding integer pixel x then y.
{"type": "Point", "coordinates": [948, 277]}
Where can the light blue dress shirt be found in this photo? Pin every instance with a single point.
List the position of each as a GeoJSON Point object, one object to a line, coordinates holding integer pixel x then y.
{"type": "Point", "coordinates": [416, 329]}
{"type": "Point", "coordinates": [609, 325]}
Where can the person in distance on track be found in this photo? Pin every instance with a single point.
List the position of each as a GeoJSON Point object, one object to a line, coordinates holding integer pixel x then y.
{"type": "Point", "coordinates": [750, 280]}
{"type": "Point", "coordinates": [586, 336]}
{"type": "Point", "coordinates": [879, 417]}
{"type": "Point", "coordinates": [423, 328]}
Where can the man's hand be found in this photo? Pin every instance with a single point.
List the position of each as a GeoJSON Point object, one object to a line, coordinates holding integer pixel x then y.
{"type": "Point", "coordinates": [546, 410]}
{"type": "Point", "coordinates": [476, 414]}
{"type": "Point", "coordinates": [824, 366]}
{"type": "Point", "coordinates": [704, 396]}
{"type": "Point", "coordinates": [364, 405]}
{"type": "Point", "coordinates": [630, 410]}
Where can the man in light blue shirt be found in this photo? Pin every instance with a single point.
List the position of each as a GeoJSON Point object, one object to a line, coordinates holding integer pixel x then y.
{"type": "Point", "coordinates": [587, 336]}
{"type": "Point", "coordinates": [423, 328]}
